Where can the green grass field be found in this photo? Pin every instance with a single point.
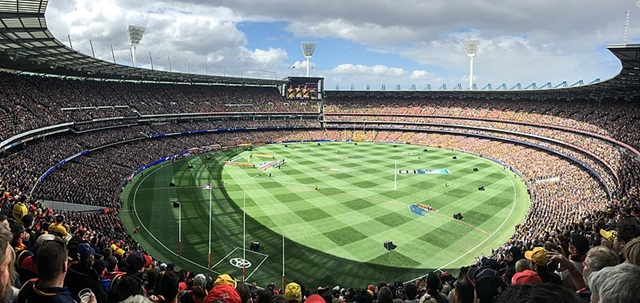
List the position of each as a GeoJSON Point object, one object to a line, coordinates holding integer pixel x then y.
{"type": "Point", "coordinates": [333, 234]}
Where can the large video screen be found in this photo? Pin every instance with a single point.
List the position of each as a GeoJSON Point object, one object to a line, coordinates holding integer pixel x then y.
{"type": "Point", "coordinates": [302, 89]}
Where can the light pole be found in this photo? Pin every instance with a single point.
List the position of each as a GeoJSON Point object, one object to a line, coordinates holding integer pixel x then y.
{"type": "Point", "coordinates": [135, 35]}
{"type": "Point", "coordinates": [471, 47]}
{"type": "Point", "coordinates": [308, 48]}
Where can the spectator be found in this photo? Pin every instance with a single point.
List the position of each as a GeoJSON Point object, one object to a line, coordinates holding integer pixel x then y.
{"type": "Point", "coordinates": [526, 276]}
{"type": "Point", "coordinates": [411, 290]}
{"type": "Point", "coordinates": [6, 265]}
{"type": "Point", "coordinates": [127, 287]}
{"type": "Point", "coordinates": [616, 284]}
{"type": "Point", "coordinates": [112, 268]}
{"type": "Point", "coordinates": [198, 291]}
{"type": "Point", "coordinates": [59, 227]}
{"type": "Point", "coordinates": [626, 230]}
{"type": "Point", "coordinates": [264, 296]}
{"type": "Point", "coordinates": [597, 258]}
{"type": "Point", "coordinates": [20, 209]}
{"type": "Point", "coordinates": [434, 286]}
{"type": "Point", "coordinates": [385, 295]}
{"type": "Point", "coordinates": [167, 287]}
{"type": "Point", "coordinates": [292, 292]}
{"type": "Point", "coordinates": [632, 251]}
{"type": "Point", "coordinates": [538, 293]}
{"type": "Point", "coordinates": [225, 293]}
{"type": "Point", "coordinates": [137, 261]}
{"type": "Point", "coordinates": [52, 268]}
{"type": "Point", "coordinates": [608, 236]}
{"type": "Point", "coordinates": [82, 275]}
{"type": "Point", "coordinates": [539, 261]}
{"type": "Point", "coordinates": [521, 265]}
{"type": "Point", "coordinates": [486, 282]}
{"type": "Point", "coordinates": [316, 298]}
{"type": "Point", "coordinates": [244, 292]}
{"type": "Point", "coordinates": [463, 291]}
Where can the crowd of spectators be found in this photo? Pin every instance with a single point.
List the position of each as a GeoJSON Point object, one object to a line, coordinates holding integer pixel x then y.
{"type": "Point", "coordinates": [569, 221]}
{"type": "Point", "coordinates": [612, 119]}
{"type": "Point", "coordinates": [31, 102]}
{"type": "Point", "coordinates": [55, 256]}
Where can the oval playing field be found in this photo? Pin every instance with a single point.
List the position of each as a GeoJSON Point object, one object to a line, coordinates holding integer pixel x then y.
{"type": "Point", "coordinates": [322, 211]}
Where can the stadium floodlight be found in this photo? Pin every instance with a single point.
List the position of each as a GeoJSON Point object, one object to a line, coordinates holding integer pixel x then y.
{"type": "Point", "coordinates": [135, 35]}
{"type": "Point", "coordinates": [471, 47]}
{"type": "Point", "coordinates": [308, 48]}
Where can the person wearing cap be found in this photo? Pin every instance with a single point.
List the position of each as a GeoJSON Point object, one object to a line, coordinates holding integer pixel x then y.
{"type": "Point", "coordinates": [137, 261]}
{"type": "Point", "coordinates": [224, 293]}
{"type": "Point", "coordinates": [463, 291]}
{"type": "Point", "coordinates": [526, 276]}
{"type": "Point", "coordinates": [512, 256]}
{"type": "Point", "coordinates": [198, 291]}
{"type": "Point", "coordinates": [82, 275]}
{"type": "Point", "coordinates": [607, 237]}
{"type": "Point", "coordinates": [540, 263]}
{"type": "Point", "coordinates": [316, 298]}
{"type": "Point", "coordinates": [225, 279]}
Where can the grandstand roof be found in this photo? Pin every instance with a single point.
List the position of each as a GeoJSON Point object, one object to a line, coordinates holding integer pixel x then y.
{"type": "Point", "coordinates": [27, 45]}
{"type": "Point", "coordinates": [629, 55]}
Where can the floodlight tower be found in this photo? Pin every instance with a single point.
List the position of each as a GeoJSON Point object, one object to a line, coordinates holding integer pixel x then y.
{"type": "Point", "coordinates": [308, 48]}
{"type": "Point", "coordinates": [471, 46]}
{"type": "Point", "coordinates": [135, 35]}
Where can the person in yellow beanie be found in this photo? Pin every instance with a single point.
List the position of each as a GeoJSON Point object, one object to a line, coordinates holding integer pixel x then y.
{"type": "Point", "coordinates": [293, 293]}
{"type": "Point", "coordinates": [225, 279]}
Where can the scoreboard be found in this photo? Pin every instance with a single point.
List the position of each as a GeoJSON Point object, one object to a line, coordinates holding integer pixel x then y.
{"type": "Point", "coordinates": [303, 88]}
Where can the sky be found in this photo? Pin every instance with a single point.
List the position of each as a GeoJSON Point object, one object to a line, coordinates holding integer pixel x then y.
{"type": "Point", "coordinates": [361, 44]}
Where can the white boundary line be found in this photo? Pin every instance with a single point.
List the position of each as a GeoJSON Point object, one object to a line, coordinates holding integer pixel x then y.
{"type": "Point", "coordinates": [438, 269]}
{"type": "Point", "coordinates": [513, 206]}
{"type": "Point", "coordinates": [135, 193]}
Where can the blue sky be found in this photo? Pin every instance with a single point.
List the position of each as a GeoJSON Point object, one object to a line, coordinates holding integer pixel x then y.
{"type": "Point", "coordinates": [359, 43]}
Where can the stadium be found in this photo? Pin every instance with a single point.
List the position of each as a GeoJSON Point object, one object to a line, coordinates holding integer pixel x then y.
{"type": "Point", "coordinates": [227, 175]}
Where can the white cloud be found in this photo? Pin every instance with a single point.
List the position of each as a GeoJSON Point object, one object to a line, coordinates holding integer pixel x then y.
{"type": "Point", "coordinates": [359, 69]}
{"type": "Point", "coordinates": [268, 57]}
{"type": "Point", "coordinates": [522, 41]}
{"type": "Point", "coordinates": [362, 33]}
{"type": "Point", "coordinates": [420, 74]}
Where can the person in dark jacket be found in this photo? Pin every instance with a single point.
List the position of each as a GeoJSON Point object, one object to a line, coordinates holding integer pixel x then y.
{"type": "Point", "coordinates": [82, 275]}
{"type": "Point", "coordinates": [49, 287]}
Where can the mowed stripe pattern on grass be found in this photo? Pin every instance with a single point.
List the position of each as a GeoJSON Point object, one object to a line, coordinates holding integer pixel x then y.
{"type": "Point", "coordinates": [361, 201]}
{"type": "Point", "coordinates": [333, 234]}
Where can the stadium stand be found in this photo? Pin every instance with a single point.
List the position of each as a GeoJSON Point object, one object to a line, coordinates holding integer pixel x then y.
{"type": "Point", "coordinates": [55, 131]}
